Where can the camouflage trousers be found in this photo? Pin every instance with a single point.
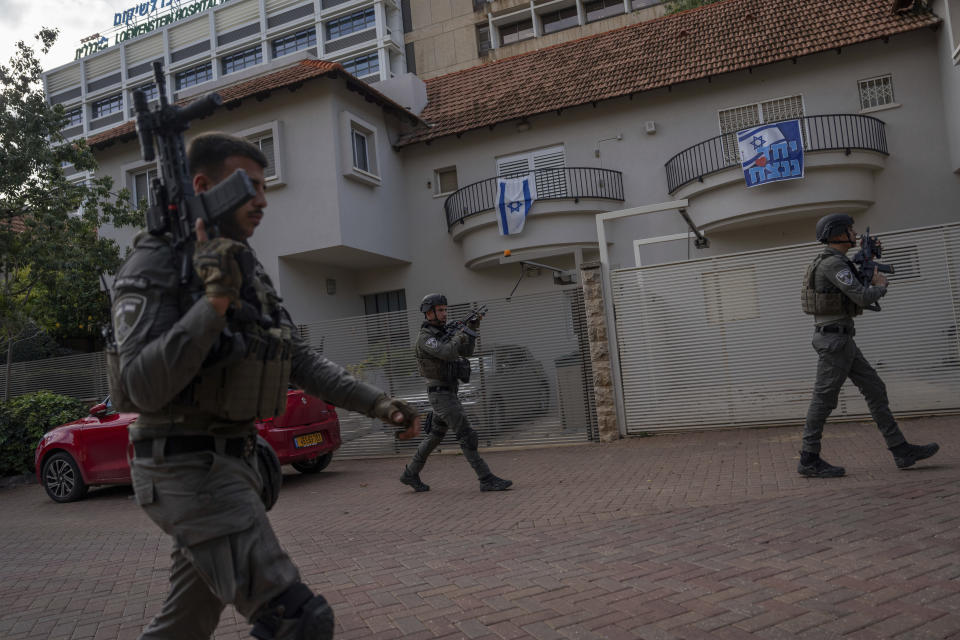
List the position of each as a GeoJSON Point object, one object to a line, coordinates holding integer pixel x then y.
{"type": "Point", "coordinates": [225, 550]}
{"type": "Point", "coordinates": [839, 359]}
{"type": "Point", "coordinates": [448, 413]}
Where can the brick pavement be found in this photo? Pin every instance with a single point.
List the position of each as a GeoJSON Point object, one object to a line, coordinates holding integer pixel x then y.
{"type": "Point", "coordinates": [694, 535]}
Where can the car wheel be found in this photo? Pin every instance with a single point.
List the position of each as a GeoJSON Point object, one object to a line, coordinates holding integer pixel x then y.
{"type": "Point", "coordinates": [316, 465]}
{"type": "Point", "coordinates": [62, 479]}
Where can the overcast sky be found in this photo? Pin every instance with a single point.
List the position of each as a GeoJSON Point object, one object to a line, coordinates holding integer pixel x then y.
{"type": "Point", "coordinates": [76, 19]}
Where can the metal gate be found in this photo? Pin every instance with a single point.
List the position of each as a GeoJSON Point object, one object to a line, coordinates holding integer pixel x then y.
{"type": "Point", "coordinates": [531, 380]}
{"type": "Point", "coordinates": [721, 341]}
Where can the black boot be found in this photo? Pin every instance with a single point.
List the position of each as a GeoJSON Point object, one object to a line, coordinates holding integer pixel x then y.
{"type": "Point", "coordinates": [491, 482]}
{"type": "Point", "coordinates": [413, 480]}
{"type": "Point", "coordinates": [906, 454]}
{"type": "Point", "coordinates": [813, 466]}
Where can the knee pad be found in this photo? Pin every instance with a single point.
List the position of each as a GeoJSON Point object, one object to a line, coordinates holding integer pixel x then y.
{"type": "Point", "coordinates": [470, 440]}
{"type": "Point", "coordinates": [296, 614]}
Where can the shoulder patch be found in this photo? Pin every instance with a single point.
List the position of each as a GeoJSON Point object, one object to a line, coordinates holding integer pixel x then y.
{"type": "Point", "coordinates": [432, 343]}
{"type": "Point", "coordinates": [845, 277]}
{"type": "Point", "coordinates": [127, 313]}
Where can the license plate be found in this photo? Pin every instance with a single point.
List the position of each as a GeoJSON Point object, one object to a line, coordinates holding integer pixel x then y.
{"type": "Point", "coordinates": [309, 440]}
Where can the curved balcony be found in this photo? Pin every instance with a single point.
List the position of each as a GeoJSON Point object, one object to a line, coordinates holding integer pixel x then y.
{"type": "Point", "coordinates": [564, 183]}
{"type": "Point", "coordinates": [837, 132]}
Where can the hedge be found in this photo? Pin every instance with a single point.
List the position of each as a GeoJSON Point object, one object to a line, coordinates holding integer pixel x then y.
{"type": "Point", "coordinates": [24, 420]}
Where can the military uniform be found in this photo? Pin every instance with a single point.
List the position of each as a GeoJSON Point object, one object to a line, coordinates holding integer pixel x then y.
{"type": "Point", "coordinates": [199, 380]}
{"type": "Point", "coordinates": [441, 362]}
{"type": "Point", "coordinates": [834, 295]}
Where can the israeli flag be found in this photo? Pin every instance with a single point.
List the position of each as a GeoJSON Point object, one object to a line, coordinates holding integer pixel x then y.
{"type": "Point", "coordinates": [515, 196]}
{"type": "Point", "coordinates": [756, 142]}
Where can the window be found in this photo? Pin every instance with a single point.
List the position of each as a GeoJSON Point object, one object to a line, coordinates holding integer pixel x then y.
{"type": "Point", "coordinates": [363, 66]}
{"type": "Point", "coordinates": [738, 118]}
{"type": "Point", "coordinates": [385, 302]}
{"type": "Point", "coordinates": [876, 92]}
{"type": "Point", "coordinates": [150, 91]}
{"type": "Point", "coordinates": [265, 144]}
{"type": "Point", "coordinates": [241, 59]}
{"type": "Point", "coordinates": [550, 176]}
{"type": "Point", "coordinates": [641, 4]}
{"type": "Point", "coordinates": [559, 20]}
{"type": "Point", "coordinates": [113, 104]}
{"type": "Point", "coordinates": [516, 32]}
{"type": "Point", "coordinates": [294, 42]}
{"type": "Point", "coordinates": [483, 39]}
{"type": "Point", "coordinates": [74, 117]}
{"type": "Point", "coordinates": [359, 149]}
{"type": "Point", "coordinates": [445, 180]}
{"type": "Point", "coordinates": [140, 187]}
{"type": "Point", "coordinates": [599, 9]}
{"type": "Point", "coordinates": [360, 158]}
{"type": "Point", "coordinates": [194, 76]}
{"type": "Point", "coordinates": [357, 21]}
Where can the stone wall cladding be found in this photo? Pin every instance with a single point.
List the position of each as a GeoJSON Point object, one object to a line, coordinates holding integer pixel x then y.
{"type": "Point", "coordinates": [592, 283]}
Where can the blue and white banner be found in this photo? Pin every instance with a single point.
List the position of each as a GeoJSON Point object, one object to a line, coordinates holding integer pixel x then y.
{"type": "Point", "coordinates": [771, 152]}
{"type": "Point", "coordinates": [515, 196]}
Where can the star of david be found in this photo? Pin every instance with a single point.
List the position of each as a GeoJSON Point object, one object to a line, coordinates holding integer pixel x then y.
{"type": "Point", "coordinates": [514, 206]}
{"type": "Point", "coordinates": [758, 142]}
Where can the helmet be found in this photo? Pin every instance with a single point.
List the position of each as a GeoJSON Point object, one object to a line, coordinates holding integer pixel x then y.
{"type": "Point", "coordinates": [829, 225]}
{"type": "Point", "coordinates": [432, 300]}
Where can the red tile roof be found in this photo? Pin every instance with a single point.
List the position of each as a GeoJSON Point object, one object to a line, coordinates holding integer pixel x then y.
{"type": "Point", "coordinates": [727, 36]}
{"type": "Point", "coordinates": [288, 77]}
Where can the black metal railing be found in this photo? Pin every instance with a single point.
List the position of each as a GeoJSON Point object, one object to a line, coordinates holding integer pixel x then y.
{"type": "Point", "coordinates": [552, 184]}
{"type": "Point", "coordinates": [844, 131]}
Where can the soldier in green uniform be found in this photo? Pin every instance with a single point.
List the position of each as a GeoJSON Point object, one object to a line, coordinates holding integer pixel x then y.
{"type": "Point", "coordinates": [200, 372]}
{"type": "Point", "coordinates": [833, 294]}
{"type": "Point", "coordinates": [442, 361]}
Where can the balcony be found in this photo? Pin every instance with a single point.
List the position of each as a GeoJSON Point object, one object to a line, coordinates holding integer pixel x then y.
{"type": "Point", "coordinates": [562, 217]}
{"type": "Point", "coordinates": [841, 154]}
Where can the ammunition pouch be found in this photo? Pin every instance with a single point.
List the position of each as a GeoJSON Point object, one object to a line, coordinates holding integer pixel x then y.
{"type": "Point", "coordinates": [830, 302]}
{"type": "Point", "coordinates": [460, 370]}
{"type": "Point", "coordinates": [251, 381]}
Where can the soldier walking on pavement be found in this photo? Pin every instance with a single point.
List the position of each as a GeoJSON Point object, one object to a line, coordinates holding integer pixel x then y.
{"type": "Point", "coordinates": [200, 372]}
{"type": "Point", "coordinates": [833, 293]}
{"type": "Point", "coordinates": [441, 359]}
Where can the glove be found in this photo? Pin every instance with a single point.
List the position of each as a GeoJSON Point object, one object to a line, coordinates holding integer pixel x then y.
{"type": "Point", "coordinates": [215, 262]}
{"type": "Point", "coordinates": [475, 323]}
{"type": "Point", "coordinates": [385, 408]}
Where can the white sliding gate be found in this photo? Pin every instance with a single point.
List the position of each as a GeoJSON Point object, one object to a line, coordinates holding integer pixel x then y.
{"type": "Point", "coordinates": [721, 341]}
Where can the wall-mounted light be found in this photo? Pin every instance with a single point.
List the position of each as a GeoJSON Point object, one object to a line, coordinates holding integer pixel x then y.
{"type": "Point", "coordinates": [523, 125]}
{"type": "Point", "coordinates": [331, 286]}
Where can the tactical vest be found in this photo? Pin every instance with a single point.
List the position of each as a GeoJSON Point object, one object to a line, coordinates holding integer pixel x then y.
{"type": "Point", "coordinates": [829, 302]}
{"type": "Point", "coordinates": [428, 366]}
{"type": "Point", "coordinates": [245, 377]}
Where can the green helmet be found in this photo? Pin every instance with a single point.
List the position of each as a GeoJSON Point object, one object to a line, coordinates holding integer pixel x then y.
{"type": "Point", "coordinates": [432, 300]}
{"type": "Point", "coordinates": [829, 225]}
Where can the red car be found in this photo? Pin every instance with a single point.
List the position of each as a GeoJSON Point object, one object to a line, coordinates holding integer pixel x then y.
{"type": "Point", "coordinates": [93, 450]}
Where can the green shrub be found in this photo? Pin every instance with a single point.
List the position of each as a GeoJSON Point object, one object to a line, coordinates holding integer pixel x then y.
{"type": "Point", "coordinates": [24, 420]}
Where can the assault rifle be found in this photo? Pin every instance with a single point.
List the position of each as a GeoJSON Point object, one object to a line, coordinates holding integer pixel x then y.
{"type": "Point", "coordinates": [176, 207]}
{"type": "Point", "coordinates": [865, 259]}
{"type": "Point", "coordinates": [452, 328]}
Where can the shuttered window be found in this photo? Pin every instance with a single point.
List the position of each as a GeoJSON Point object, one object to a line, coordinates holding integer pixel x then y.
{"type": "Point", "coordinates": [102, 65]}
{"type": "Point", "coordinates": [189, 33]}
{"type": "Point", "coordinates": [266, 144]}
{"type": "Point", "coordinates": [236, 14]}
{"type": "Point", "coordinates": [63, 79]}
{"type": "Point", "coordinates": [143, 50]}
{"type": "Point", "coordinates": [549, 170]}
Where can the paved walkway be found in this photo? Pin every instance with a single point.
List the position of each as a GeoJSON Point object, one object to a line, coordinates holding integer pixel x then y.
{"type": "Point", "coordinates": [697, 535]}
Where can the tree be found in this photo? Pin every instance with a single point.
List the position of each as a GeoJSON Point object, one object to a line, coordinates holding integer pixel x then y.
{"type": "Point", "coordinates": [50, 252]}
{"type": "Point", "coordinates": [675, 6]}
